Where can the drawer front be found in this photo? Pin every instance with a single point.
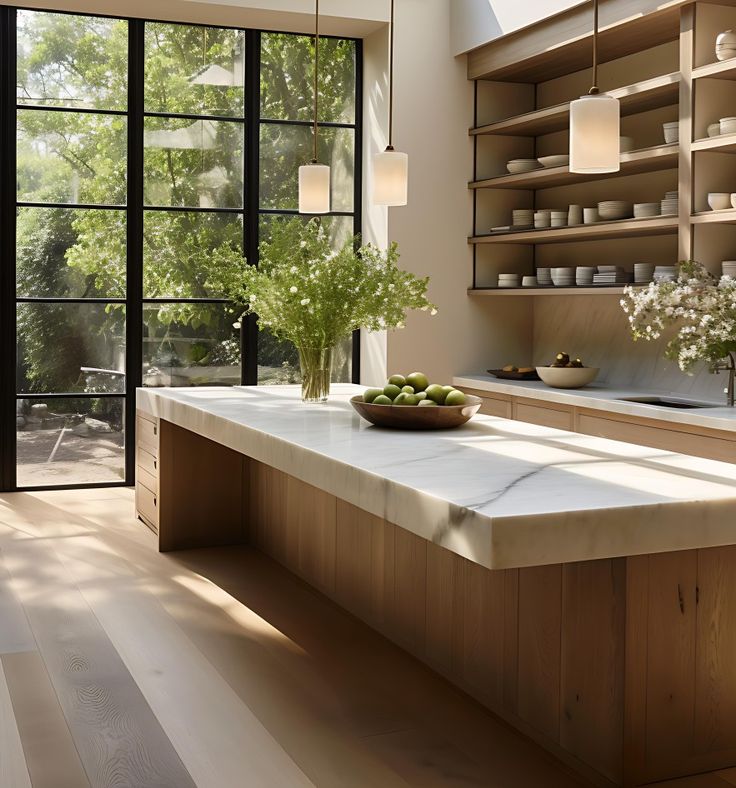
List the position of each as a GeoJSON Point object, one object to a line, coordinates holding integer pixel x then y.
{"type": "Point", "coordinates": [495, 407]}
{"type": "Point", "coordinates": [147, 461]}
{"type": "Point", "coordinates": [148, 480]}
{"type": "Point", "coordinates": [146, 503]}
{"type": "Point", "coordinates": [545, 417]}
{"type": "Point", "coordinates": [147, 433]}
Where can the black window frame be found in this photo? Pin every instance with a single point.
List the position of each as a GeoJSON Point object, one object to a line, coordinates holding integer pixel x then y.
{"type": "Point", "coordinates": [135, 210]}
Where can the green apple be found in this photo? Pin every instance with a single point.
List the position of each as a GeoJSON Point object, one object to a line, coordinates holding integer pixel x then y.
{"type": "Point", "coordinates": [407, 389]}
{"type": "Point", "coordinates": [455, 397]}
{"type": "Point", "coordinates": [418, 380]}
{"type": "Point", "coordinates": [427, 403]}
{"type": "Point", "coordinates": [411, 399]}
{"type": "Point", "coordinates": [448, 389]}
{"type": "Point", "coordinates": [381, 399]}
{"type": "Point", "coordinates": [371, 394]}
{"type": "Point", "coordinates": [436, 393]}
{"type": "Point", "coordinates": [420, 395]}
{"type": "Point", "coordinates": [397, 380]}
{"type": "Point", "coordinates": [391, 391]}
{"type": "Point", "coordinates": [401, 398]}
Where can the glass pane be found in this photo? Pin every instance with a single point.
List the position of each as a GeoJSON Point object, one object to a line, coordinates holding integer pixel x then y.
{"type": "Point", "coordinates": [71, 348]}
{"type": "Point", "coordinates": [278, 361]}
{"type": "Point", "coordinates": [193, 163]}
{"type": "Point", "coordinates": [287, 73]}
{"type": "Point", "coordinates": [285, 148]}
{"type": "Point", "coordinates": [339, 229]}
{"type": "Point", "coordinates": [194, 70]}
{"type": "Point", "coordinates": [70, 157]}
{"type": "Point", "coordinates": [69, 253]}
{"type": "Point", "coordinates": [190, 345]}
{"type": "Point", "coordinates": [70, 441]}
{"type": "Point", "coordinates": [190, 255]}
{"type": "Point", "coordinates": [66, 60]}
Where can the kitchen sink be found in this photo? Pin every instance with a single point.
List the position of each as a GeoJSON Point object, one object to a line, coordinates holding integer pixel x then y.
{"type": "Point", "coordinates": [666, 402]}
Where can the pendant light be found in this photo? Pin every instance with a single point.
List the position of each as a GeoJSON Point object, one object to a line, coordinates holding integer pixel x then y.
{"type": "Point", "coordinates": [595, 124]}
{"type": "Point", "coordinates": [390, 168]}
{"type": "Point", "coordinates": [314, 178]}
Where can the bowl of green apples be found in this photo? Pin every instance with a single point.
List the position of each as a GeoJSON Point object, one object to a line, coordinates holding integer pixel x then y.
{"type": "Point", "coordinates": [411, 402]}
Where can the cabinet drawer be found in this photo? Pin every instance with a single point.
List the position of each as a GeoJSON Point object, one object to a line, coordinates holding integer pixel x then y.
{"type": "Point", "coordinates": [495, 407]}
{"type": "Point", "coordinates": [146, 504]}
{"type": "Point", "coordinates": [545, 417]}
{"type": "Point", "coordinates": [148, 480]}
{"type": "Point", "coordinates": [147, 434]}
{"type": "Point", "coordinates": [147, 461]}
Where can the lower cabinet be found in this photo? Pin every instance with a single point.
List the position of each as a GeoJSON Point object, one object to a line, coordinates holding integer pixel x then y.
{"type": "Point", "coordinates": [146, 471]}
{"type": "Point", "coordinates": [685, 439]}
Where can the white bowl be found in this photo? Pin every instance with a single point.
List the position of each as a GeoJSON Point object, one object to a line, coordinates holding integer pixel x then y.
{"type": "Point", "coordinates": [612, 210]}
{"type": "Point", "coordinates": [671, 132]}
{"type": "Point", "coordinates": [567, 377]}
{"type": "Point", "coordinates": [719, 201]}
{"type": "Point", "coordinates": [645, 209]}
{"type": "Point", "coordinates": [714, 129]}
{"type": "Point", "coordinates": [728, 125]}
{"type": "Point", "coordinates": [516, 166]}
{"type": "Point", "coordinates": [559, 160]}
{"type": "Point", "coordinates": [529, 281]}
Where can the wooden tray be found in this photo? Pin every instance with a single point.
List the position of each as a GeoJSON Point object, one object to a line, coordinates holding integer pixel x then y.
{"type": "Point", "coordinates": [499, 373]}
{"type": "Point", "coordinates": [413, 417]}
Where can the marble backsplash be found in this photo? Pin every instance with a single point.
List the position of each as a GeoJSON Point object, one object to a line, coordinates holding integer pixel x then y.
{"type": "Point", "coordinates": [595, 329]}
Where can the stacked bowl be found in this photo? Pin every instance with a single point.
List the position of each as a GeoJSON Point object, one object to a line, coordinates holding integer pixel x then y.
{"type": "Point", "coordinates": [729, 268]}
{"type": "Point", "coordinates": [726, 45]}
{"type": "Point", "coordinates": [523, 218]}
{"type": "Point", "coordinates": [610, 210]}
{"type": "Point", "coordinates": [727, 126]}
{"type": "Point", "coordinates": [558, 218]}
{"type": "Point", "coordinates": [671, 132]}
{"type": "Point", "coordinates": [544, 277]}
{"type": "Point", "coordinates": [645, 210]}
{"type": "Point", "coordinates": [671, 203]}
{"type": "Point", "coordinates": [714, 129]}
{"type": "Point", "coordinates": [542, 219]}
{"type": "Point", "coordinates": [665, 273]}
{"type": "Point", "coordinates": [584, 275]}
{"type": "Point", "coordinates": [558, 160]}
{"type": "Point", "coordinates": [563, 277]}
{"type": "Point", "coordinates": [516, 166]}
{"type": "Point", "coordinates": [508, 280]}
{"type": "Point", "coordinates": [643, 272]}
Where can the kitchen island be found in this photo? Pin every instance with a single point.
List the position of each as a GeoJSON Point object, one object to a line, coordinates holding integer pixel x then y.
{"type": "Point", "coordinates": [579, 587]}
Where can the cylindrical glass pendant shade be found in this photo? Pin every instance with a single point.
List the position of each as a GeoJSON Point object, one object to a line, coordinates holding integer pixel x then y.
{"type": "Point", "coordinates": [390, 178]}
{"type": "Point", "coordinates": [595, 130]}
{"type": "Point", "coordinates": [314, 188]}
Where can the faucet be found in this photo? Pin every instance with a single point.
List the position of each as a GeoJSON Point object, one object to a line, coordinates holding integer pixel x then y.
{"type": "Point", "coordinates": [729, 367]}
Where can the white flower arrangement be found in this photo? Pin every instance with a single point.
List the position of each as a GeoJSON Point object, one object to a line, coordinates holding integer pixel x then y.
{"type": "Point", "coordinates": [700, 307]}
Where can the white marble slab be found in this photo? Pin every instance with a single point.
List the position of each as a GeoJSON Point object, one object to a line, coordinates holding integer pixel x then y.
{"type": "Point", "coordinates": [501, 493]}
{"type": "Point", "coordinates": [608, 398]}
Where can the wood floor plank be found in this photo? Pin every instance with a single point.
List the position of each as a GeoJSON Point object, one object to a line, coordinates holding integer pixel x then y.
{"type": "Point", "coordinates": [13, 767]}
{"type": "Point", "coordinates": [118, 738]}
{"type": "Point", "coordinates": [15, 634]}
{"type": "Point", "coordinates": [51, 757]}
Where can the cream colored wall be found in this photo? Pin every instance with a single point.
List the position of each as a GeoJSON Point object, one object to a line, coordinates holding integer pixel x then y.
{"type": "Point", "coordinates": [434, 108]}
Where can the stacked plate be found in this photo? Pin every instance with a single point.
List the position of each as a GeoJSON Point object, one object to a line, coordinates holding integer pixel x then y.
{"type": "Point", "coordinates": [584, 274]}
{"type": "Point", "coordinates": [523, 217]}
{"type": "Point", "coordinates": [610, 210]}
{"type": "Point", "coordinates": [643, 272]}
{"type": "Point", "coordinates": [665, 273]}
{"type": "Point", "coordinates": [642, 210]}
{"type": "Point", "coordinates": [563, 277]}
{"type": "Point", "coordinates": [671, 204]}
{"type": "Point", "coordinates": [544, 277]}
{"type": "Point", "coordinates": [559, 218]}
{"type": "Point", "coordinates": [508, 280]}
{"type": "Point", "coordinates": [727, 125]}
{"type": "Point", "coordinates": [516, 166]}
{"type": "Point", "coordinates": [611, 275]}
{"type": "Point", "coordinates": [559, 160]}
{"type": "Point", "coordinates": [729, 268]}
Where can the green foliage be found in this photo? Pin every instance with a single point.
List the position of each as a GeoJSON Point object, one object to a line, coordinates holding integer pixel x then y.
{"type": "Point", "coordinates": [309, 294]}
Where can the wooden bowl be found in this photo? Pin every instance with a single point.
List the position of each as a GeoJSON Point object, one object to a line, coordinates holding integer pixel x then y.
{"type": "Point", "coordinates": [413, 417]}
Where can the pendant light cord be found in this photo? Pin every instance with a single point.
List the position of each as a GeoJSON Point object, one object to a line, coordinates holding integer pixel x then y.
{"type": "Point", "coordinates": [316, 84]}
{"type": "Point", "coordinates": [594, 89]}
{"type": "Point", "coordinates": [391, 82]}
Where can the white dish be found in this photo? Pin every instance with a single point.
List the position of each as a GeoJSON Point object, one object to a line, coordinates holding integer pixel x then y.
{"type": "Point", "coordinates": [719, 201]}
{"type": "Point", "coordinates": [517, 166]}
{"type": "Point", "coordinates": [728, 125]}
{"type": "Point", "coordinates": [643, 209]}
{"type": "Point", "coordinates": [714, 129]}
{"type": "Point", "coordinates": [567, 377]}
{"type": "Point", "coordinates": [671, 132]}
{"type": "Point", "coordinates": [558, 160]}
{"type": "Point", "coordinates": [529, 281]}
{"type": "Point", "coordinates": [610, 210]}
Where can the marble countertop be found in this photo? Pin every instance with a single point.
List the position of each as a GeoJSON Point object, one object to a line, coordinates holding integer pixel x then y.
{"type": "Point", "coordinates": [608, 398]}
{"type": "Point", "coordinates": [500, 493]}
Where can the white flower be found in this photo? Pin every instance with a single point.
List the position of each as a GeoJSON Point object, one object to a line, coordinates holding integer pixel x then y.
{"type": "Point", "coordinates": [236, 325]}
{"type": "Point", "coordinates": [293, 289]}
{"type": "Point", "coordinates": [433, 312]}
{"type": "Point", "coordinates": [293, 269]}
{"type": "Point", "coordinates": [303, 244]}
{"type": "Point", "coordinates": [304, 301]}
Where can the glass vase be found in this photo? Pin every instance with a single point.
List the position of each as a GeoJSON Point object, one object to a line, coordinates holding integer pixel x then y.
{"type": "Point", "coordinates": [316, 367]}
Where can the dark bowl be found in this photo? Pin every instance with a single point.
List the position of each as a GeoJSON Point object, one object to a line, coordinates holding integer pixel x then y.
{"type": "Point", "coordinates": [413, 417]}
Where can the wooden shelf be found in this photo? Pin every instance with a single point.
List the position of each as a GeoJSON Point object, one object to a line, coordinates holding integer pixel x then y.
{"type": "Point", "coordinates": [723, 143]}
{"type": "Point", "coordinates": [624, 228]}
{"type": "Point", "coordinates": [722, 69]}
{"type": "Point", "coordinates": [547, 291]}
{"type": "Point", "coordinates": [660, 157]}
{"type": "Point", "coordinates": [639, 97]}
{"type": "Point", "coordinates": [715, 217]}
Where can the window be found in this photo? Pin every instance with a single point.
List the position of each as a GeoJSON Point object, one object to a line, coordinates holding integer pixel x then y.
{"type": "Point", "coordinates": [149, 160]}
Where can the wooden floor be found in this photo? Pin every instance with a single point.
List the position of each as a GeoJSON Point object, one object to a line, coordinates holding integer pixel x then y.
{"type": "Point", "coordinates": [123, 667]}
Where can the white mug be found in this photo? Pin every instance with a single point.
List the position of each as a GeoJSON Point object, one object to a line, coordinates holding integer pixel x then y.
{"type": "Point", "coordinates": [590, 215]}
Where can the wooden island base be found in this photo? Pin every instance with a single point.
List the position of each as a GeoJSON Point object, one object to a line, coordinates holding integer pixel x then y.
{"type": "Point", "coordinates": [625, 668]}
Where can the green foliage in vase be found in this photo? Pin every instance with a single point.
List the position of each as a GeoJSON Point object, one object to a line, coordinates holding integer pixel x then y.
{"type": "Point", "coordinates": [308, 293]}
